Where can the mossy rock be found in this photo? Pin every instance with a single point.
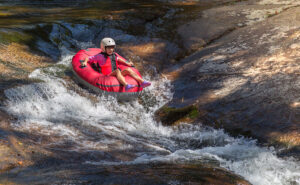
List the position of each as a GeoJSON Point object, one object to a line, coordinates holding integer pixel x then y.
{"type": "Point", "coordinates": [170, 116]}
{"type": "Point", "coordinates": [14, 36]}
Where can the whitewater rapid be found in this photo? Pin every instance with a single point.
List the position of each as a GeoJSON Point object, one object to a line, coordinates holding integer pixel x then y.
{"type": "Point", "coordinates": [97, 123]}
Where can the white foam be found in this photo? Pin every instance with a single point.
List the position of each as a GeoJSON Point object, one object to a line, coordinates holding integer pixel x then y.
{"type": "Point", "coordinates": [259, 165]}
{"type": "Point", "coordinates": [51, 108]}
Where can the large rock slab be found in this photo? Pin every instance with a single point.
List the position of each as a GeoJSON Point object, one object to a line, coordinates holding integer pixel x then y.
{"type": "Point", "coordinates": [218, 21]}
{"type": "Point", "coordinates": [248, 81]}
{"type": "Point", "coordinates": [156, 173]}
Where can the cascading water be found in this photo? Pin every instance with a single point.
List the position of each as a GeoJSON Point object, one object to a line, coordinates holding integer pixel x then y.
{"type": "Point", "coordinates": [83, 124]}
{"type": "Point", "coordinates": [111, 133]}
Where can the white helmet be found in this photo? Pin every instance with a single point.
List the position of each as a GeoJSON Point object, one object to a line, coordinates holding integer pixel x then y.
{"type": "Point", "coordinates": [107, 42]}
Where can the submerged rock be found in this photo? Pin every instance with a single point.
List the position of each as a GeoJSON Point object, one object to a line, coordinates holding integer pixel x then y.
{"type": "Point", "coordinates": [155, 173]}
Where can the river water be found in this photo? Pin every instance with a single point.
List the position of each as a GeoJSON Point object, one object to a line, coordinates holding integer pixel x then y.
{"type": "Point", "coordinates": [91, 130]}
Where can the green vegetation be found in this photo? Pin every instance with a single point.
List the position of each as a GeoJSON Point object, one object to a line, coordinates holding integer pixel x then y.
{"type": "Point", "coordinates": [15, 36]}
{"type": "Point", "coordinates": [170, 115]}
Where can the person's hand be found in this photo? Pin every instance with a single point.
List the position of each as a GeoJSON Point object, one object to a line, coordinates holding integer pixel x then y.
{"type": "Point", "coordinates": [130, 63]}
{"type": "Point", "coordinates": [83, 64]}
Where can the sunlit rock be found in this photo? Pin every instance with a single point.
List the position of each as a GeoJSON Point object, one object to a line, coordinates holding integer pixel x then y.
{"type": "Point", "coordinates": [253, 75]}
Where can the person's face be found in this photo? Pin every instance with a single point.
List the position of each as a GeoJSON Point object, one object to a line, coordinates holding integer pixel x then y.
{"type": "Point", "coordinates": [109, 49]}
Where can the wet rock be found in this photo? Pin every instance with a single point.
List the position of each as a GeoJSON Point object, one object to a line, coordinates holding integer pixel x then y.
{"type": "Point", "coordinates": [145, 55]}
{"type": "Point", "coordinates": [247, 81]}
{"type": "Point", "coordinates": [10, 36]}
{"type": "Point", "coordinates": [17, 148]}
{"type": "Point", "coordinates": [17, 61]}
{"type": "Point", "coordinates": [155, 173]}
{"type": "Point", "coordinates": [170, 116]}
{"type": "Point", "coordinates": [216, 22]}
{"type": "Point", "coordinates": [9, 157]}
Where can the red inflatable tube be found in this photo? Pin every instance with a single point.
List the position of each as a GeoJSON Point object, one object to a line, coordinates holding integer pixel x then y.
{"type": "Point", "coordinates": [102, 83]}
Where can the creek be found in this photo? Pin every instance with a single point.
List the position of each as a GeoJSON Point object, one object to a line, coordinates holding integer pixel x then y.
{"type": "Point", "coordinates": [93, 133]}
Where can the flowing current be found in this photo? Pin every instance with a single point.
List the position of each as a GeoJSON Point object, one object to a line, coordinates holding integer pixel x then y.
{"type": "Point", "coordinates": [84, 122]}
{"type": "Point", "coordinates": [126, 133]}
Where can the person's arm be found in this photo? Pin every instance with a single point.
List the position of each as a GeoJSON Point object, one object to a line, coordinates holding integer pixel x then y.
{"type": "Point", "coordinates": [127, 62]}
{"type": "Point", "coordinates": [83, 64]}
{"type": "Point", "coordinates": [90, 60]}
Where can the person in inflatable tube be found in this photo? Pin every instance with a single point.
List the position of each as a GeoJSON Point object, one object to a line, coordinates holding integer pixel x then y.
{"type": "Point", "coordinates": [108, 46]}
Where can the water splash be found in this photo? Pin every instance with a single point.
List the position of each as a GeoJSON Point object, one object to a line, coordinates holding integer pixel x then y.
{"type": "Point", "coordinates": [85, 122]}
{"type": "Point", "coordinates": [51, 109]}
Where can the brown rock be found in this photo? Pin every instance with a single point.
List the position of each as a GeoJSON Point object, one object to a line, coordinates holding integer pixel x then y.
{"type": "Point", "coordinates": [252, 77]}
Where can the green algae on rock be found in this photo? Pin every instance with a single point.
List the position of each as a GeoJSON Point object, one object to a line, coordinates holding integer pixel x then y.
{"type": "Point", "coordinates": [10, 36]}
{"type": "Point", "coordinates": [170, 116]}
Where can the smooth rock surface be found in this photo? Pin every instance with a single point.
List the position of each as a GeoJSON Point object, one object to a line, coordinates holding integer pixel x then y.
{"type": "Point", "coordinates": [248, 81]}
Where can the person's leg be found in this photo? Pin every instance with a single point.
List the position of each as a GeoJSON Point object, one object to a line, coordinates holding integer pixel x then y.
{"type": "Point", "coordinates": [130, 72]}
{"type": "Point", "coordinates": [121, 79]}
{"type": "Point", "coordinates": [117, 73]}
